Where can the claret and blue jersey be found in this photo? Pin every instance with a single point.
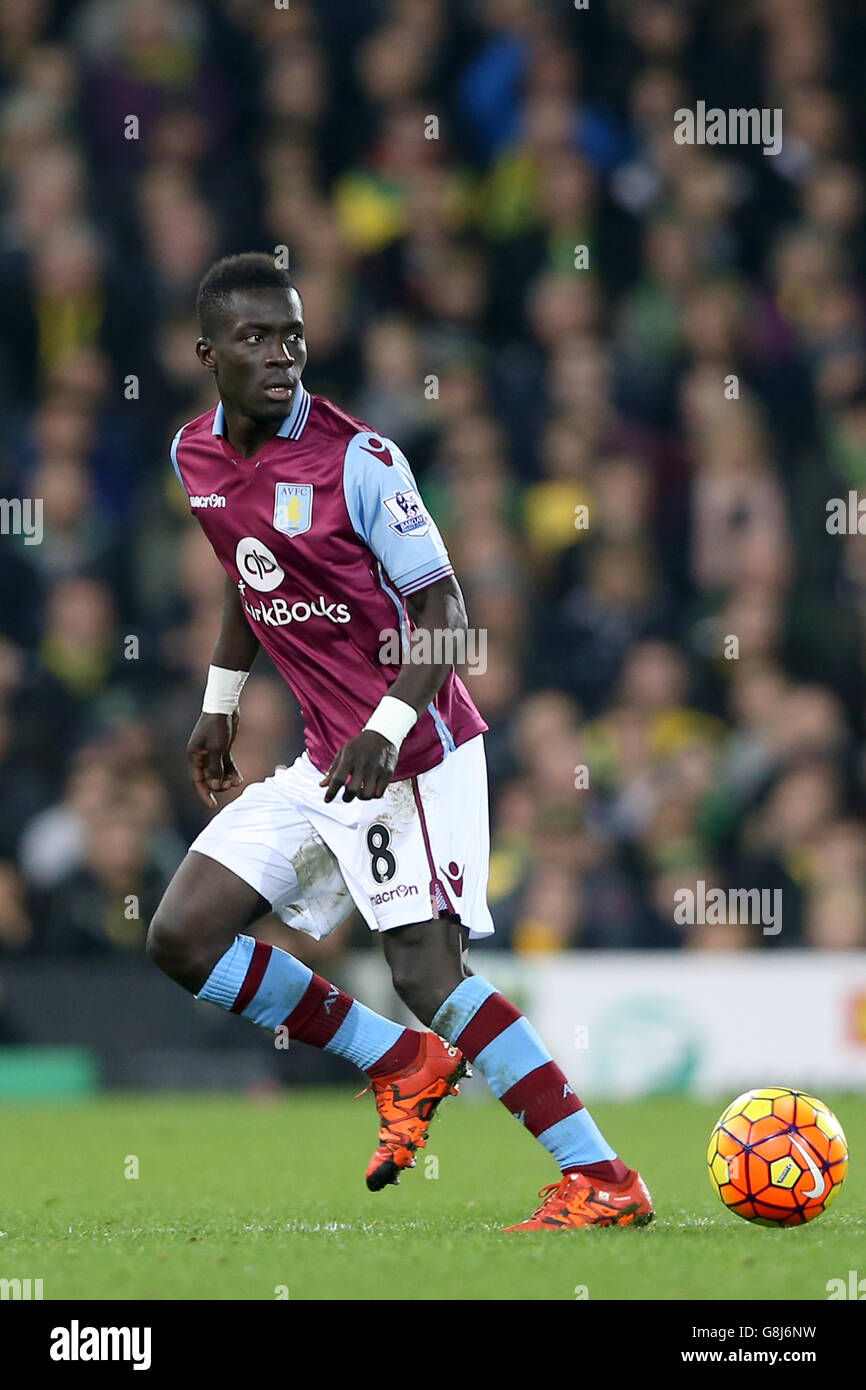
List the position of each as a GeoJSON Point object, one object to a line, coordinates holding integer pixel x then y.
{"type": "Point", "coordinates": [324, 533]}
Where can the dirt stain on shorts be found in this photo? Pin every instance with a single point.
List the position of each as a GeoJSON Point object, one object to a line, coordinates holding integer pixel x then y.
{"type": "Point", "coordinates": [325, 891]}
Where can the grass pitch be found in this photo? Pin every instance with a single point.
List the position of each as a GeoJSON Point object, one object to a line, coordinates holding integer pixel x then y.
{"type": "Point", "coordinates": [239, 1198]}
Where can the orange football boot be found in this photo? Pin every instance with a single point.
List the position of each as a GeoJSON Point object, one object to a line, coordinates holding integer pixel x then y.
{"type": "Point", "coordinates": [406, 1101]}
{"type": "Point", "coordinates": [577, 1201]}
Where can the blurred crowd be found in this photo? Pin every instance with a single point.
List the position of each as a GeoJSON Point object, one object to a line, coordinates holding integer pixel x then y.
{"type": "Point", "coordinates": [510, 266]}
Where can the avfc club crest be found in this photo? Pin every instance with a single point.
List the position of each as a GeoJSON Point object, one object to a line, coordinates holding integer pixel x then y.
{"type": "Point", "coordinates": [293, 508]}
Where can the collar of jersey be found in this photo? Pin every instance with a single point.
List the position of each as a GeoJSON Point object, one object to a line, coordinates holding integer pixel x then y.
{"type": "Point", "coordinates": [291, 428]}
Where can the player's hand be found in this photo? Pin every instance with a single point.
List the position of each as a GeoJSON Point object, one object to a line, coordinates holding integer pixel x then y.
{"type": "Point", "coordinates": [210, 762]}
{"type": "Point", "coordinates": [363, 767]}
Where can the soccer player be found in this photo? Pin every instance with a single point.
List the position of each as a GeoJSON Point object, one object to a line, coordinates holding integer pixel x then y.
{"type": "Point", "coordinates": [328, 548]}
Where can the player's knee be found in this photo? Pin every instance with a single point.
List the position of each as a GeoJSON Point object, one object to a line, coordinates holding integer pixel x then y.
{"type": "Point", "coordinates": [164, 942]}
{"type": "Point", "coordinates": [172, 946]}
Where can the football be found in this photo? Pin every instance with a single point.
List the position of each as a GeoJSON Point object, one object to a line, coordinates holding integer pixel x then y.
{"type": "Point", "coordinates": [777, 1156]}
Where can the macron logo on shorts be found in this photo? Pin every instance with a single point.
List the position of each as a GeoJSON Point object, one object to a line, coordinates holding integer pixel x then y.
{"type": "Point", "coordinates": [454, 875]}
{"type": "Point", "coordinates": [403, 890]}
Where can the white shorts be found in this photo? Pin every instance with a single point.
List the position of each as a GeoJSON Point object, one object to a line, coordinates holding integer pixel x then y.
{"type": "Point", "coordinates": [419, 851]}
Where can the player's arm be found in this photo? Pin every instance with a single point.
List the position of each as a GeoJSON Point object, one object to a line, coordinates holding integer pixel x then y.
{"type": "Point", "coordinates": [388, 515]}
{"type": "Point", "coordinates": [438, 609]}
{"type": "Point", "coordinates": [211, 766]}
{"type": "Point", "coordinates": [365, 765]}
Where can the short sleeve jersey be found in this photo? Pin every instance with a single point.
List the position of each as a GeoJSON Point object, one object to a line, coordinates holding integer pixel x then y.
{"type": "Point", "coordinates": [325, 534]}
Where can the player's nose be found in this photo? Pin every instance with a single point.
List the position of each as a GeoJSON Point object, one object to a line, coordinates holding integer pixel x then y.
{"type": "Point", "coordinates": [279, 355]}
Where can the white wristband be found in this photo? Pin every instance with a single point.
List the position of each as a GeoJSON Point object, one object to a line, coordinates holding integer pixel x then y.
{"type": "Point", "coordinates": [223, 690]}
{"type": "Point", "coordinates": [392, 719]}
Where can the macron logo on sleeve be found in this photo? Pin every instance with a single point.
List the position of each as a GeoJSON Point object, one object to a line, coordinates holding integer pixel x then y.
{"type": "Point", "coordinates": [214, 499]}
{"type": "Point", "coordinates": [379, 450]}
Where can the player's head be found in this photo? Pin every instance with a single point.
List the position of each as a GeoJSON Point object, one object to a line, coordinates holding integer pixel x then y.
{"type": "Point", "coordinates": [252, 334]}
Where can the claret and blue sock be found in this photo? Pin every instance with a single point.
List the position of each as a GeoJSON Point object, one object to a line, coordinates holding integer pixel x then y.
{"type": "Point", "coordinates": [520, 1071]}
{"type": "Point", "coordinates": [273, 989]}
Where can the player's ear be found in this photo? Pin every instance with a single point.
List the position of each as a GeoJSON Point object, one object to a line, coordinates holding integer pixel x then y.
{"type": "Point", "coordinates": [204, 353]}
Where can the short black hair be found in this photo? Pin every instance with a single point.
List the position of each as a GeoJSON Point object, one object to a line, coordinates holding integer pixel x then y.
{"type": "Point", "coordinates": [252, 270]}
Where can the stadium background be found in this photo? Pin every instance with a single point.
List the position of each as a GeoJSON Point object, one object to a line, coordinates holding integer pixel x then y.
{"type": "Point", "coordinates": [444, 306]}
